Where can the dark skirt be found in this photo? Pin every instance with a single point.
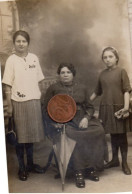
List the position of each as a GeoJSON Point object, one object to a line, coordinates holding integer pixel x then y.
{"type": "Point", "coordinates": [91, 147]}
{"type": "Point", "coordinates": [110, 123]}
{"type": "Point", "coordinates": [28, 121]}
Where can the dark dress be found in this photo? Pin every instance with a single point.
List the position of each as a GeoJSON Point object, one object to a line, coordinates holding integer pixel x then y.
{"type": "Point", "coordinates": [90, 149]}
{"type": "Point", "coordinates": [112, 85]}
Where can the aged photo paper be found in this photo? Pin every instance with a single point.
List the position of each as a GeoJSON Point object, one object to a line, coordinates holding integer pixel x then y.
{"type": "Point", "coordinates": [73, 31]}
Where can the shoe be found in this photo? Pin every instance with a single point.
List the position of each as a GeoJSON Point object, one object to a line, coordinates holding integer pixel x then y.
{"type": "Point", "coordinates": [35, 168]}
{"type": "Point", "coordinates": [111, 164]}
{"type": "Point", "coordinates": [79, 179]}
{"type": "Point", "coordinates": [126, 169]}
{"type": "Point", "coordinates": [91, 174]}
{"type": "Point", "coordinates": [22, 175]}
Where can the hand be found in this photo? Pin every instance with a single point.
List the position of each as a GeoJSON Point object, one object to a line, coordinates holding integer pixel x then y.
{"type": "Point", "coordinates": [123, 113]}
{"type": "Point", "coordinates": [96, 114]}
{"type": "Point", "coordinates": [58, 125]}
{"type": "Point", "coordinates": [9, 111]}
{"type": "Point", "coordinates": [83, 123]}
{"type": "Point", "coordinates": [118, 114]}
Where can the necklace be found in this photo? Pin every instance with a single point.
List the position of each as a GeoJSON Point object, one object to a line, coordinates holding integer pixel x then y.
{"type": "Point", "coordinates": [68, 89]}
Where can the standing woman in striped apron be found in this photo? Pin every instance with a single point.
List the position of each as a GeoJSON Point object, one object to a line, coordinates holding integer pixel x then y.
{"type": "Point", "coordinates": [22, 76]}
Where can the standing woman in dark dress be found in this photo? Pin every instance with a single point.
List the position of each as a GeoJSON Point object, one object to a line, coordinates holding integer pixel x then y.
{"type": "Point", "coordinates": [114, 86]}
{"type": "Point", "coordinates": [90, 151]}
{"type": "Point", "coordinates": [22, 76]}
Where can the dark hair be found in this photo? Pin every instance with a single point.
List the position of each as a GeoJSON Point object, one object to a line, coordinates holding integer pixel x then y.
{"type": "Point", "coordinates": [69, 66]}
{"type": "Point", "coordinates": [113, 50]}
{"type": "Point", "coordinates": [22, 33]}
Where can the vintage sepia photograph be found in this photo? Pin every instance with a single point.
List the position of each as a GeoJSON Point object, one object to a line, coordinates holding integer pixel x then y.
{"type": "Point", "coordinates": [66, 89]}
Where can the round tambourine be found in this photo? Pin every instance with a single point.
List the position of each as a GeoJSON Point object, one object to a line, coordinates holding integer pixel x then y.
{"type": "Point", "coordinates": [61, 108]}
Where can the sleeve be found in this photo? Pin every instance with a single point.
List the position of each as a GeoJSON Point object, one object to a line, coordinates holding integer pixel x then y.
{"type": "Point", "coordinates": [39, 71]}
{"type": "Point", "coordinates": [88, 106]}
{"type": "Point", "coordinates": [8, 76]}
{"type": "Point", "coordinates": [48, 127]}
{"type": "Point", "coordinates": [48, 95]}
{"type": "Point", "coordinates": [98, 89]}
{"type": "Point", "coordinates": [125, 81]}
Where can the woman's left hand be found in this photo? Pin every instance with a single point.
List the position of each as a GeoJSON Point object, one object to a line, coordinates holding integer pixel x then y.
{"type": "Point", "coordinates": [123, 113]}
{"type": "Point", "coordinates": [83, 123]}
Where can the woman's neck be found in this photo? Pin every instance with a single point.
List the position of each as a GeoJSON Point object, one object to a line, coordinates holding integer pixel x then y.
{"type": "Point", "coordinates": [67, 83]}
{"type": "Point", "coordinates": [113, 67]}
{"type": "Point", "coordinates": [22, 54]}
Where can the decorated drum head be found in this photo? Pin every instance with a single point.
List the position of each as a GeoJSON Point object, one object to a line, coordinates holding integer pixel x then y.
{"type": "Point", "coordinates": [62, 108]}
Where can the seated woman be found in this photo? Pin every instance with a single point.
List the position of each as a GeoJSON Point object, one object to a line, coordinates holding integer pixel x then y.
{"type": "Point", "coordinates": [90, 150]}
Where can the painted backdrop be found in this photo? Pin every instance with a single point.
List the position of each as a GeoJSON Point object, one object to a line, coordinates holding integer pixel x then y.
{"type": "Point", "coordinates": [76, 31]}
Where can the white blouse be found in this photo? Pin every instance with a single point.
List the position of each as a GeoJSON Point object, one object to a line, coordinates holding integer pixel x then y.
{"type": "Point", "coordinates": [23, 75]}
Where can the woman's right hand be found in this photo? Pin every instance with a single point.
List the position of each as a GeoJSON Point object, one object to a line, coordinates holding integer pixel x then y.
{"type": "Point", "coordinates": [9, 110]}
{"type": "Point", "coordinates": [58, 125]}
{"type": "Point", "coordinates": [83, 123]}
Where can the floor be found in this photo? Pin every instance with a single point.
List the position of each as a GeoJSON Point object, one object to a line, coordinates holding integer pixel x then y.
{"type": "Point", "coordinates": [111, 180]}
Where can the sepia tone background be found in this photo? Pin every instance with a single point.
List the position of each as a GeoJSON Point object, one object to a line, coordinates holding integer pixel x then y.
{"type": "Point", "coordinates": [73, 31]}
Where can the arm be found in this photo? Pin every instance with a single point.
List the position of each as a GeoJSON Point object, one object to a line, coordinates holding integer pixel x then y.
{"type": "Point", "coordinates": [46, 98]}
{"type": "Point", "coordinates": [8, 80]}
{"type": "Point", "coordinates": [126, 101]}
{"type": "Point", "coordinates": [126, 105]}
{"type": "Point", "coordinates": [8, 98]}
{"type": "Point", "coordinates": [40, 76]}
{"type": "Point", "coordinates": [130, 101]}
{"type": "Point", "coordinates": [41, 88]}
{"type": "Point", "coordinates": [50, 126]}
{"type": "Point", "coordinates": [93, 96]}
{"type": "Point", "coordinates": [126, 90]}
{"type": "Point", "coordinates": [124, 112]}
{"type": "Point", "coordinates": [98, 90]}
{"type": "Point", "coordinates": [89, 111]}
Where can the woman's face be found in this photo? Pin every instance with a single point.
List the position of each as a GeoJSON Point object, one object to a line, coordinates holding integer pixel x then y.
{"type": "Point", "coordinates": [109, 59]}
{"type": "Point", "coordinates": [66, 75]}
{"type": "Point", "coordinates": [21, 44]}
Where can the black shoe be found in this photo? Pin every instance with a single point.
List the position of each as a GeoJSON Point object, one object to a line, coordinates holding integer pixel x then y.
{"type": "Point", "coordinates": [126, 169]}
{"type": "Point", "coordinates": [79, 179]}
{"type": "Point", "coordinates": [91, 174]}
{"type": "Point", "coordinates": [111, 164]}
{"type": "Point", "coordinates": [22, 175]}
{"type": "Point", "coordinates": [35, 168]}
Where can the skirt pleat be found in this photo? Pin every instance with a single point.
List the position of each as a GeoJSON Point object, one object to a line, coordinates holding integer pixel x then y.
{"type": "Point", "coordinates": [28, 121]}
{"type": "Point", "coordinates": [111, 124]}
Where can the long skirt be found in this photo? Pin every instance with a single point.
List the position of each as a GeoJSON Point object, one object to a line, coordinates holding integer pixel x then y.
{"type": "Point", "coordinates": [28, 121]}
{"type": "Point", "coordinates": [91, 148]}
